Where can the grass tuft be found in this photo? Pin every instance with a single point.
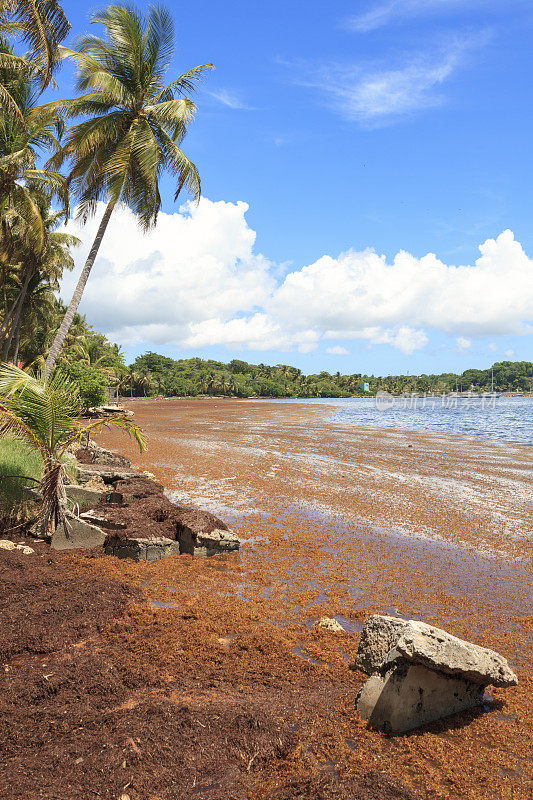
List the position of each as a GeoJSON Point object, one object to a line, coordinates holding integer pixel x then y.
{"type": "Point", "coordinates": [17, 459]}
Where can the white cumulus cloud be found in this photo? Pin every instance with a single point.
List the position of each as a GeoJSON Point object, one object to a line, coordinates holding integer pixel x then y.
{"type": "Point", "coordinates": [197, 281]}
{"type": "Point", "coordinates": [337, 350]}
{"type": "Point", "coordinates": [196, 265]}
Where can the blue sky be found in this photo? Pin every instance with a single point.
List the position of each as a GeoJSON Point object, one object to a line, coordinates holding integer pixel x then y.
{"type": "Point", "coordinates": [395, 125]}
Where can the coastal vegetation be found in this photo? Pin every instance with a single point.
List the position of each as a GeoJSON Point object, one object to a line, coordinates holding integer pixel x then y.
{"type": "Point", "coordinates": [129, 125]}
{"type": "Point", "coordinates": [130, 121]}
{"type": "Point", "coordinates": [43, 414]}
{"type": "Point", "coordinates": [21, 466]}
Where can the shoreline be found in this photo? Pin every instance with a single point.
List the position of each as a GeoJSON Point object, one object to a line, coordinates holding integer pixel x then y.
{"type": "Point", "coordinates": [331, 407]}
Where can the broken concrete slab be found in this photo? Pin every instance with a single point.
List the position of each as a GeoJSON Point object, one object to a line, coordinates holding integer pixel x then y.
{"type": "Point", "coordinates": [425, 674]}
{"type": "Point", "coordinates": [104, 457]}
{"type": "Point", "coordinates": [74, 533]}
{"type": "Point", "coordinates": [410, 695]}
{"type": "Point", "coordinates": [95, 518]}
{"type": "Point", "coordinates": [109, 474]}
{"type": "Point", "coordinates": [205, 542]}
{"type": "Point", "coordinates": [438, 650]}
{"type": "Point", "coordinates": [83, 495]}
{"type": "Point", "coordinates": [139, 549]}
{"type": "Point", "coordinates": [108, 411]}
{"type": "Point", "coordinates": [387, 639]}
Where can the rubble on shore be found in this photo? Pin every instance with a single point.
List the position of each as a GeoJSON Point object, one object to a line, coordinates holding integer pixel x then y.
{"type": "Point", "coordinates": [130, 517]}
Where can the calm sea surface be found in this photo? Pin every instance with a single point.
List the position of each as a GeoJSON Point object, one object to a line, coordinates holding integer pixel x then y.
{"type": "Point", "coordinates": [506, 418]}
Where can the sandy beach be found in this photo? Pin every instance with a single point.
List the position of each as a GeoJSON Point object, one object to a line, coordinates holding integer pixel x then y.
{"type": "Point", "coordinates": [345, 523]}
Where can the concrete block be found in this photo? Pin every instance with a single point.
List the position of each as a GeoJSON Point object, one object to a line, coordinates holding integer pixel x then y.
{"type": "Point", "coordinates": [82, 495]}
{"type": "Point", "coordinates": [75, 534]}
{"type": "Point", "coordinates": [139, 549]}
{"type": "Point", "coordinates": [410, 695]}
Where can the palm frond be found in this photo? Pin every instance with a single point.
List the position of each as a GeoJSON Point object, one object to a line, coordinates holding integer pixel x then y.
{"type": "Point", "coordinates": [185, 84]}
{"type": "Point", "coordinates": [112, 422]}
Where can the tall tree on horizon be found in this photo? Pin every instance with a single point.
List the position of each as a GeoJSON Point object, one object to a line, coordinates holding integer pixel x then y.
{"type": "Point", "coordinates": [135, 127]}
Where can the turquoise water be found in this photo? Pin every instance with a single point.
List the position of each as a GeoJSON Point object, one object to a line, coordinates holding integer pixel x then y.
{"type": "Point", "coordinates": [505, 418]}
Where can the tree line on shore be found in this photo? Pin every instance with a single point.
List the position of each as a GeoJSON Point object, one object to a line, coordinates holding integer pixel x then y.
{"type": "Point", "coordinates": [155, 375]}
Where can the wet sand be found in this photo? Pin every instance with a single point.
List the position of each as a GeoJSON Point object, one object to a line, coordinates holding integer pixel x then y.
{"type": "Point", "coordinates": [346, 522]}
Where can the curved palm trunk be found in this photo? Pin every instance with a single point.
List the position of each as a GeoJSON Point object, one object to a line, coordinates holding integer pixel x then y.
{"type": "Point", "coordinates": [64, 328]}
{"type": "Point", "coordinates": [16, 346]}
{"type": "Point", "coordinates": [15, 325]}
{"type": "Point", "coordinates": [4, 326]}
{"type": "Point", "coordinates": [12, 333]}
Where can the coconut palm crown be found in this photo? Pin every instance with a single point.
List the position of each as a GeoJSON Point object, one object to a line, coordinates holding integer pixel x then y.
{"type": "Point", "coordinates": [134, 129]}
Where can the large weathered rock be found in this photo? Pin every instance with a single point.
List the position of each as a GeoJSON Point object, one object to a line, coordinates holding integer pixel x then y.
{"type": "Point", "coordinates": [385, 640]}
{"type": "Point", "coordinates": [139, 549]}
{"type": "Point", "coordinates": [438, 650]}
{"type": "Point", "coordinates": [207, 543]}
{"type": "Point", "coordinates": [379, 635]}
{"type": "Point", "coordinates": [421, 673]}
{"type": "Point", "coordinates": [95, 518]}
{"type": "Point", "coordinates": [109, 474]}
{"type": "Point", "coordinates": [75, 533]}
{"type": "Point", "coordinates": [410, 695]}
{"type": "Point", "coordinates": [83, 495]}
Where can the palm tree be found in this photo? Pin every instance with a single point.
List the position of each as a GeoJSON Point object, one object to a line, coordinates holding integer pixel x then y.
{"type": "Point", "coordinates": [136, 126]}
{"type": "Point", "coordinates": [44, 412]}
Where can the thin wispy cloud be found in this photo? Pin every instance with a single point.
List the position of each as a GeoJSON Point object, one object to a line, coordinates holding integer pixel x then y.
{"type": "Point", "coordinates": [375, 95]}
{"type": "Point", "coordinates": [230, 100]}
{"type": "Point", "coordinates": [395, 11]}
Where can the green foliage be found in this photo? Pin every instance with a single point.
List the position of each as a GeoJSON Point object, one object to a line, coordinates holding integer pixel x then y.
{"type": "Point", "coordinates": [91, 382]}
{"type": "Point", "coordinates": [194, 376]}
{"type": "Point", "coordinates": [43, 413]}
{"type": "Point", "coordinates": [20, 466]}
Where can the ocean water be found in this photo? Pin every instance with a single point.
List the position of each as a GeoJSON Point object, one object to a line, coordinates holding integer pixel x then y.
{"type": "Point", "coordinates": [505, 418]}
